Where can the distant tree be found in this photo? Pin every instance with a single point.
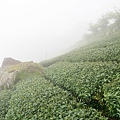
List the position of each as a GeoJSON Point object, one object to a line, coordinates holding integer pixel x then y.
{"type": "Point", "coordinates": [103, 23]}
{"type": "Point", "coordinates": [117, 19]}
{"type": "Point", "coordinates": [109, 22]}
{"type": "Point", "coordinates": [93, 28]}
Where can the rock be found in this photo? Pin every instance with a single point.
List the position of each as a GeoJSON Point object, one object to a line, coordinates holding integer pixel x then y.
{"type": "Point", "coordinates": [7, 78]}
{"type": "Point", "coordinates": [9, 61]}
{"type": "Point", "coordinates": [11, 70]}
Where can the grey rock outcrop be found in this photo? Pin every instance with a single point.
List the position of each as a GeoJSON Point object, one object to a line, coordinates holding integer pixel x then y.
{"type": "Point", "coordinates": [7, 77]}
{"type": "Point", "coordinates": [12, 71]}
{"type": "Point", "coordinates": [9, 61]}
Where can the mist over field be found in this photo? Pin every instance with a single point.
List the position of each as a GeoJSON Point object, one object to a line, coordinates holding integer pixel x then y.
{"type": "Point", "coordinates": [59, 60]}
{"type": "Point", "coordinates": [41, 29]}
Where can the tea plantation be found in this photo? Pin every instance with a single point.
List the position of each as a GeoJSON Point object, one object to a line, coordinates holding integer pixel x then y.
{"type": "Point", "coordinates": [103, 49]}
{"type": "Point", "coordinates": [91, 74]}
{"type": "Point", "coordinates": [93, 83]}
{"type": "Point", "coordinates": [35, 98]}
{"type": "Point", "coordinates": [83, 84]}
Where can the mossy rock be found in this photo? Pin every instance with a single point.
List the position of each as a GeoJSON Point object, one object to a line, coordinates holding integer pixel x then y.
{"type": "Point", "coordinates": [14, 73]}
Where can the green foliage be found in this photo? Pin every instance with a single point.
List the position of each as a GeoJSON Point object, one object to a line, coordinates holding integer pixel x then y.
{"type": "Point", "coordinates": [112, 98]}
{"type": "Point", "coordinates": [89, 72]}
{"type": "Point", "coordinates": [47, 63]}
{"type": "Point", "coordinates": [4, 104]}
{"type": "Point", "coordinates": [37, 99]}
{"type": "Point", "coordinates": [83, 84]}
{"type": "Point", "coordinates": [103, 49]}
{"type": "Point", "coordinates": [104, 24]}
{"type": "Point", "coordinates": [85, 80]}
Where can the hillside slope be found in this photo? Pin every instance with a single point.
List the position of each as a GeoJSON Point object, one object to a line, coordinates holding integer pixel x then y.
{"type": "Point", "coordinates": [103, 49]}
{"type": "Point", "coordinates": [91, 74]}
{"type": "Point", "coordinates": [83, 84]}
{"type": "Point", "coordinates": [96, 84]}
{"type": "Point", "coordinates": [32, 97]}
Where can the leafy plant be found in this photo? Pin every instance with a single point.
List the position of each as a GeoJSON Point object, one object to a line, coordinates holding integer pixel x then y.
{"type": "Point", "coordinates": [112, 98]}
{"type": "Point", "coordinates": [84, 80]}
{"type": "Point", "coordinates": [37, 99]}
{"type": "Point", "coordinates": [4, 102]}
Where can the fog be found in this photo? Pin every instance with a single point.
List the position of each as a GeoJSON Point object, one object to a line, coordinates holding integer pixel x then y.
{"type": "Point", "coordinates": [31, 28]}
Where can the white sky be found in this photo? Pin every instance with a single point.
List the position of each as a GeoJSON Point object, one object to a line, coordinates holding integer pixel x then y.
{"type": "Point", "coordinates": [30, 28]}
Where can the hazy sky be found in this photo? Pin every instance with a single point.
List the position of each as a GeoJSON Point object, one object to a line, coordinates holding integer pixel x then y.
{"type": "Point", "coordinates": [30, 28]}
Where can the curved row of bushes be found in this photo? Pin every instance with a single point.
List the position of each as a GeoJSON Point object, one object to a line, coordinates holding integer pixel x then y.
{"type": "Point", "coordinates": [87, 81]}
{"type": "Point", "coordinates": [104, 50]}
{"type": "Point", "coordinates": [34, 98]}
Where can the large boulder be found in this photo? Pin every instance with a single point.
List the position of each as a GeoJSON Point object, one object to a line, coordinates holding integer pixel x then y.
{"type": "Point", "coordinates": [9, 61]}
{"type": "Point", "coordinates": [13, 71]}
{"type": "Point", "coordinates": [6, 77]}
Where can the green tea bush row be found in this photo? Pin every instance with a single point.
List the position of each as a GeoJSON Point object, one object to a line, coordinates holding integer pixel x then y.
{"type": "Point", "coordinates": [4, 104]}
{"type": "Point", "coordinates": [104, 50]}
{"type": "Point", "coordinates": [112, 97]}
{"type": "Point", "coordinates": [85, 80]}
{"type": "Point", "coordinates": [37, 99]}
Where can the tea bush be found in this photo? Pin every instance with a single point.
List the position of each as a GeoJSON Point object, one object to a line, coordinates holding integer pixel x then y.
{"type": "Point", "coordinates": [112, 98]}
{"type": "Point", "coordinates": [4, 102]}
{"type": "Point", "coordinates": [37, 99]}
{"type": "Point", "coordinates": [103, 50]}
{"type": "Point", "coordinates": [86, 80]}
